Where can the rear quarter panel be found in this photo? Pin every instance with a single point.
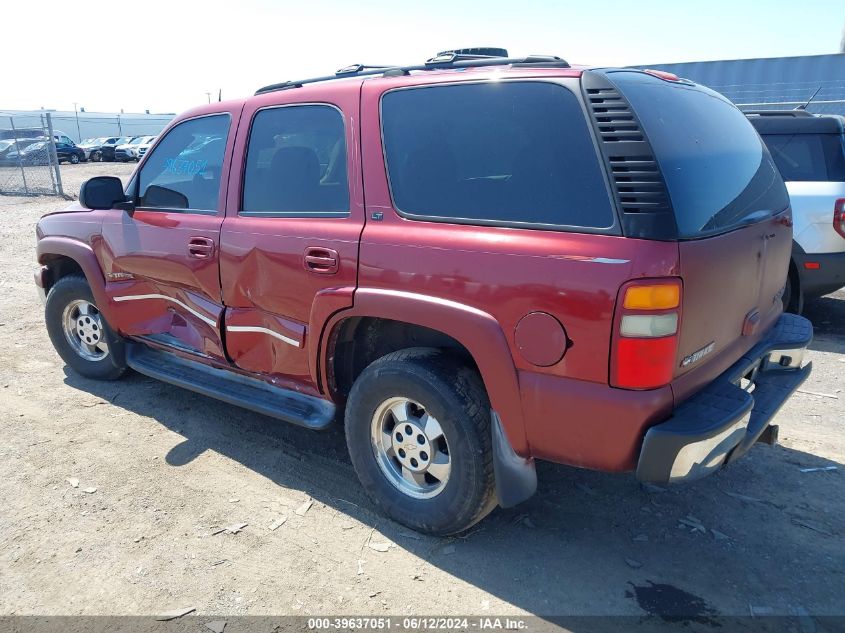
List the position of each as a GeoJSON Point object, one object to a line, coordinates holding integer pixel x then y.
{"type": "Point", "coordinates": [509, 273]}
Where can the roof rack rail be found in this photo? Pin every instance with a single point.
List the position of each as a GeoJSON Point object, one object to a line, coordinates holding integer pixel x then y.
{"type": "Point", "coordinates": [773, 113]}
{"type": "Point", "coordinates": [449, 59]}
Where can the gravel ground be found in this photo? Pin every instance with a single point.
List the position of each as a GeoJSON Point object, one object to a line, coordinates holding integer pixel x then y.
{"type": "Point", "coordinates": [113, 495]}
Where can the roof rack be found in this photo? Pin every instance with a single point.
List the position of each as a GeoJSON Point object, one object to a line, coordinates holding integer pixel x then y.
{"type": "Point", "coordinates": [447, 59]}
{"type": "Point", "coordinates": [773, 113]}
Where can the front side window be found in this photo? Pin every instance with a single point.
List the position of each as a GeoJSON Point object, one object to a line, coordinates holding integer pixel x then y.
{"type": "Point", "coordinates": [184, 171]}
{"type": "Point", "coordinates": [296, 163]}
{"type": "Point", "coordinates": [512, 153]}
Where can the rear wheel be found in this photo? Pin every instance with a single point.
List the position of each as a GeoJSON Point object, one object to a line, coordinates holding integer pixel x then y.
{"type": "Point", "coordinates": [79, 332]}
{"type": "Point", "coordinates": [418, 431]}
{"type": "Point", "coordinates": [793, 301]}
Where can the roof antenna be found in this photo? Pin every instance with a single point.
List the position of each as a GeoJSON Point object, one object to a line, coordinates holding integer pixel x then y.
{"type": "Point", "coordinates": [803, 106]}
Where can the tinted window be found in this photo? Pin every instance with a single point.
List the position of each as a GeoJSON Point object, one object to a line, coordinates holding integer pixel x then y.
{"type": "Point", "coordinates": [808, 157]}
{"type": "Point", "coordinates": [296, 163]}
{"type": "Point", "coordinates": [494, 152]}
{"type": "Point", "coordinates": [184, 170]}
{"type": "Point", "coordinates": [718, 172]}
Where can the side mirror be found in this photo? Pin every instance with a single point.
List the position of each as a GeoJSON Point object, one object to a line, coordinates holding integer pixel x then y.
{"type": "Point", "coordinates": [104, 192]}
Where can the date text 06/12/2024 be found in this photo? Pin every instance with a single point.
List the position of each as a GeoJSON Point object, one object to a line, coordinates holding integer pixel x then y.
{"type": "Point", "coordinates": [418, 623]}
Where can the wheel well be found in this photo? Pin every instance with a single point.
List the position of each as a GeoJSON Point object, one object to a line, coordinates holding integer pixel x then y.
{"type": "Point", "coordinates": [59, 266]}
{"type": "Point", "coordinates": [361, 340]}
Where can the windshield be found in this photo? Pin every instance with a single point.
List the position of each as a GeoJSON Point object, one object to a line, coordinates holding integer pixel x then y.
{"type": "Point", "coordinates": [718, 172]}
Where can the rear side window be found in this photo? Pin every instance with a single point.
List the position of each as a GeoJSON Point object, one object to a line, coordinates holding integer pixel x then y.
{"type": "Point", "coordinates": [296, 163]}
{"type": "Point", "coordinates": [808, 157]}
{"type": "Point", "coordinates": [717, 170]}
{"type": "Point", "coordinates": [509, 153]}
{"type": "Point", "coordinates": [184, 170]}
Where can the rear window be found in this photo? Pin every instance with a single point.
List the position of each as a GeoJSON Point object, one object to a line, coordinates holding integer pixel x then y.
{"type": "Point", "coordinates": [513, 153]}
{"type": "Point", "coordinates": [808, 157]}
{"type": "Point", "coordinates": [717, 170]}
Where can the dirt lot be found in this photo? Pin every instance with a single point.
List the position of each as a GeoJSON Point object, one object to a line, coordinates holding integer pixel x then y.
{"type": "Point", "coordinates": [161, 470]}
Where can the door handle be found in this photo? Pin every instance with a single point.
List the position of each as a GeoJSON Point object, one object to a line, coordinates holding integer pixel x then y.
{"type": "Point", "coordinates": [200, 247]}
{"type": "Point", "coordinates": [323, 261]}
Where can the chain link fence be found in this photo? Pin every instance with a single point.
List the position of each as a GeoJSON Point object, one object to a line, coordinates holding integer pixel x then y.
{"type": "Point", "coordinates": [29, 165]}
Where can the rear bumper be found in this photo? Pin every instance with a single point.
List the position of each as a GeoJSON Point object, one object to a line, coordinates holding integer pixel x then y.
{"type": "Point", "coordinates": [828, 277]}
{"type": "Point", "coordinates": [722, 421]}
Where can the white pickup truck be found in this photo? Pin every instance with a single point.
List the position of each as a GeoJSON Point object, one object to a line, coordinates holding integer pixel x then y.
{"type": "Point", "coordinates": [809, 150]}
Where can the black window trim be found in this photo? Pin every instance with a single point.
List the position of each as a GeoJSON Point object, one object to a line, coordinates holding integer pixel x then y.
{"type": "Point", "coordinates": [324, 215]}
{"type": "Point", "coordinates": [135, 183]}
{"type": "Point", "coordinates": [614, 229]}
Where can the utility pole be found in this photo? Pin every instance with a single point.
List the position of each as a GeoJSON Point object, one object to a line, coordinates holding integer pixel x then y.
{"type": "Point", "coordinates": [76, 112]}
{"type": "Point", "coordinates": [208, 94]}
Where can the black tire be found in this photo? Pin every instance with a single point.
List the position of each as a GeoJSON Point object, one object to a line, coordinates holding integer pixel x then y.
{"type": "Point", "coordinates": [74, 159]}
{"type": "Point", "coordinates": [793, 301]}
{"type": "Point", "coordinates": [454, 394]}
{"type": "Point", "coordinates": [95, 157]}
{"type": "Point", "coordinates": [64, 292]}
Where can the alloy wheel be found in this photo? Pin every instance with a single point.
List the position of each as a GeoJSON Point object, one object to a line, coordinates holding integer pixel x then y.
{"type": "Point", "coordinates": [410, 448]}
{"type": "Point", "coordinates": [83, 328]}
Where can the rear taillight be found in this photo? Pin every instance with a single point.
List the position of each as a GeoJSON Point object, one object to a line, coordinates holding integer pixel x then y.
{"type": "Point", "coordinates": [839, 216]}
{"type": "Point", "coordinates": [645, 340]}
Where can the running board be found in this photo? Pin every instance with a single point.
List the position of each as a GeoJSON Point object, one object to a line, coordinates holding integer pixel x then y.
{"type": "Point", "coordinates": [228, 386]}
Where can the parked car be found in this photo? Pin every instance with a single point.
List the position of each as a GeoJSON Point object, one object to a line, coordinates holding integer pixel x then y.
{"type": "Point", "coordinates": [128, 151]}
{"type": "Point", "coordinates": [38, 153]}
{"type": "Point", "coordinates": [33, 134]}
{"type": "Point", "coordinates": [809, 151]}
{"type": "Point", "coordinates": [93, 147]}
{"type": "Point", "coordinates": [21, 133]}
{"type": "Point", "coordinates": [482, 261]}
{"type": "Point", "coordinates": [132, 150]}
{"type": "Point", "coordinates": [144, 146]}
{"type": "Point", "coordinates": [107, 150]}
{"type": "Point", "coordinates": [14, 154]}
{"type": "Point", "coordinates": [10, 149]}
{"type": "Point", "coordinates": [69, 152]}
{"type": "Point", "coordinates": [6, 145]}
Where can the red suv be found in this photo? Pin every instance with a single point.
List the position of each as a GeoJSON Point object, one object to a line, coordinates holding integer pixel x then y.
{"type": "Point", "coordinates": [475, 262]}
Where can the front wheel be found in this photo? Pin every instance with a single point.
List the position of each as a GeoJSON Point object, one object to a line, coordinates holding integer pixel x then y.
{"type": "Point", "coordinates": [418, 432]}
{"type": "Point", "coordinates": [95, 157]}
{"type": "Point", "coordinates": [74, 159]}
{"type": "Point", "coordinates": [79, 332]}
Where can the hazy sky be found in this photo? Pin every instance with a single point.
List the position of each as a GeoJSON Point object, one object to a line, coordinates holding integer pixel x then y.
{"type": "Point", "coordinates": [165, 55]}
